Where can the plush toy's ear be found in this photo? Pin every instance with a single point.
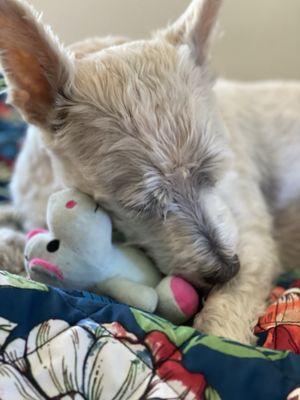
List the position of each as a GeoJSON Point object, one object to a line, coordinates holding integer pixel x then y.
{"type": "Point", "coordinates": [76, 219]}
{"type": "Point", "coordinates": [35, 65]}
{"type": "Point", "coordinates": [195, 27]}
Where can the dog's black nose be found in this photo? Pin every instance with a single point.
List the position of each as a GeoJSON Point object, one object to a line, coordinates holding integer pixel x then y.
{"type": "Point", "coordinates": [226, 271]}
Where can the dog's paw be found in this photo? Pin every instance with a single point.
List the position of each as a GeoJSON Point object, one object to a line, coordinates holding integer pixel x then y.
{"type": "Point", "coordinates": [12, 245]}
{"type": "Point", "coordinates": [229, 327]}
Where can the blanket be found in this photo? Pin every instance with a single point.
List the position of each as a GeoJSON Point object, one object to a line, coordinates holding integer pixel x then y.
{"type": "Point", "coordinates": [74, 345]}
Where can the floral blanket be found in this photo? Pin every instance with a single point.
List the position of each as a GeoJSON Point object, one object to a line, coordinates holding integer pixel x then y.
{"type": "Point", "coordinates": [68, 345]}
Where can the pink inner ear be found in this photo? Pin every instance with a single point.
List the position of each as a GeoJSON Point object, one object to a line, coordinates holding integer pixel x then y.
{"type": "Point", "coordinates": [71, 204]}
{"type": "Point", "coordinates": [34, 232]}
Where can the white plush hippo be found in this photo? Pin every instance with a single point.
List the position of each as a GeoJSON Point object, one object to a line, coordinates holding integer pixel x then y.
{"type": "Point", "coordinates": [77, 253]}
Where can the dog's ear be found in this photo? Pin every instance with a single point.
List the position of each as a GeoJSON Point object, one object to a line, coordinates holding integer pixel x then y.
{"type": "Point", "coordinates": [195, 27]}
{"type": "Point", "coordinates": [34, 63]}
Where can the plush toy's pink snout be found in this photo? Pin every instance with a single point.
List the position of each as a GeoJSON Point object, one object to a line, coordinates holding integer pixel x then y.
{"type": "Point", "coordinates": [47, 266]}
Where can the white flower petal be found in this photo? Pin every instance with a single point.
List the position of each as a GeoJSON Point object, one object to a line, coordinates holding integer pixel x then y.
{"type": "Point", "coordinates": [77, 396]}
{"type": "Point", "coordinates": [15, 352]}
{"type": "Point", "coordinates": [44, 332]}
{"type": "Point", "coordinates": [161, 390]}
{"type": "Point", "coordinates": [6, 327]}
{"type": "Point", "coordinates": [113, 371]}
{"type": "Point", "coordinates": [15, 386]}
{"type": "Point", "coordinates": [57, 364]}
{"type": "Point", "coordinates": [295, 395]}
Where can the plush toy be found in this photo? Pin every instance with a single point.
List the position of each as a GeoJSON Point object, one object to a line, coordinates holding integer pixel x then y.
{"type": "Point", "coordinates": [77, 253]}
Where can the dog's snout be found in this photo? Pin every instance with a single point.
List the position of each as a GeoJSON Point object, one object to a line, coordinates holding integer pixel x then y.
{"type": "Point", "coordinates": [226, 271]}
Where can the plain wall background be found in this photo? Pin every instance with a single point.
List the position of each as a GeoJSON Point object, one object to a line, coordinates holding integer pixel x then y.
{"type": "Point", "coordinates": [261, 38]}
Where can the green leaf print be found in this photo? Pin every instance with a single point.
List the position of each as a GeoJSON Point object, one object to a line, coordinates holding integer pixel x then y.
{"type": "Point", "coordinates": [211, 394]}
{"type": "Point", "coordinates": [235, 349]}
{"type": "Point", "coordinates": [148, 322]}
{"type": "Point", "coordinates": [7, 279]}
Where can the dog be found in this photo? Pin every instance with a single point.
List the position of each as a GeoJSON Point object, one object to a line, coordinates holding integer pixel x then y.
{"type": "Point", "coordinates": [201, 173]}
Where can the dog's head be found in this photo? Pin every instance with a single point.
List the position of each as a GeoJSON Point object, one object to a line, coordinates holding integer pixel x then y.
{"type": "Point", "coordinates": [136, 126]}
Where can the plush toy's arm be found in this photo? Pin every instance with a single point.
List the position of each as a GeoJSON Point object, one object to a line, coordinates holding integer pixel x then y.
{"type": "Point", "coordinates": [132, 293]}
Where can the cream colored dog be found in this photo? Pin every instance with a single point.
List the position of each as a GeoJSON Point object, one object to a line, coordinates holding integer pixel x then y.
{"type": "Point", "coordinates": [201, 174]}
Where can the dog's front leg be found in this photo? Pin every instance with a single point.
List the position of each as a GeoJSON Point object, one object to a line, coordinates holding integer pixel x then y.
{"type": "Point", "coordinates": [232, 310]}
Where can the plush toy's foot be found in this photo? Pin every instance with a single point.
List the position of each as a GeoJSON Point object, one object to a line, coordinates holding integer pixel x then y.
{"type": "Point", "coordinates": [178, 300]}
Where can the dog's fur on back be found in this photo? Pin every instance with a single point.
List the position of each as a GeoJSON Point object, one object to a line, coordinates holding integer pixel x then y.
{"type": "Point", "coordinates": [194, 171]}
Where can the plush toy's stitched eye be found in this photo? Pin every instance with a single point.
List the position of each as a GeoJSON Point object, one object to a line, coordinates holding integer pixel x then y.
{"type": "Point", "coordinates": [53, 246]}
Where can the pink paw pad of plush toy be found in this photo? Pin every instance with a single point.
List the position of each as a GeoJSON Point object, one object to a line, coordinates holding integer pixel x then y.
{"type": "Point", "coordinates": [178, 298]}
